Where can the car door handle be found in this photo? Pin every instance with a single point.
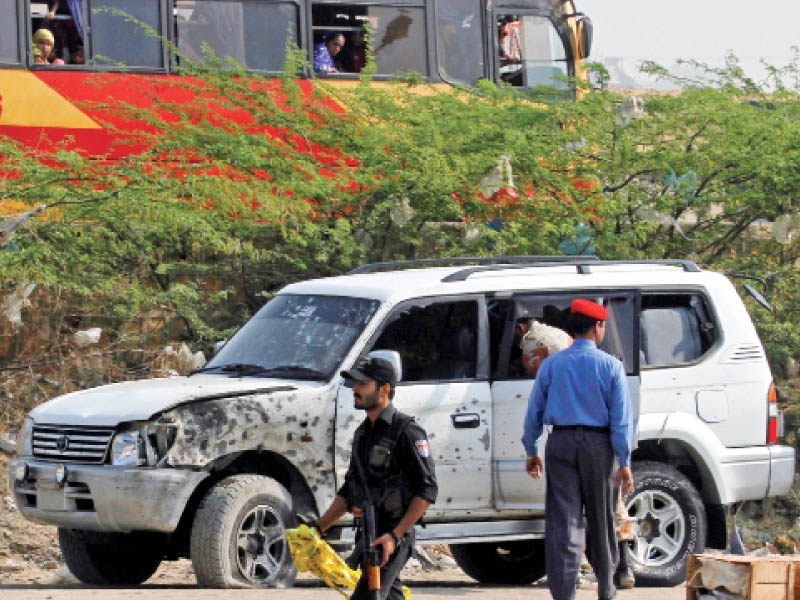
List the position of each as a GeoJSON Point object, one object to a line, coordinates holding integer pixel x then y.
{"type": "Point", "coordinates": [466, 420]}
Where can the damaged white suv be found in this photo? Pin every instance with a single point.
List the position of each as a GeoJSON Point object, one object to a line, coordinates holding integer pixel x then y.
{"type": "Point", "coordinates": [215, 465]}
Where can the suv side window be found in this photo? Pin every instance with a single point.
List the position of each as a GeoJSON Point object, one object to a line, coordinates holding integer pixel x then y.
{"type": "Point", "coordinates": [436, 340]}
{"type": "Point", "coordinates": [528, 328]}
{"type": "Point", "coordinates": [677, 329]}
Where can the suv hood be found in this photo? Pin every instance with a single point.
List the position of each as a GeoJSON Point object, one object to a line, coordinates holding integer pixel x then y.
{"type": "Point", "coordinates": [110, 405]}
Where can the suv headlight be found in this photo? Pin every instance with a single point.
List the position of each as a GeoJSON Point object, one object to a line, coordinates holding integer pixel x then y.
{"type": "Point", "coordinates": [127, 449]}
{"type": "Point", "coordinates": [25, 438]}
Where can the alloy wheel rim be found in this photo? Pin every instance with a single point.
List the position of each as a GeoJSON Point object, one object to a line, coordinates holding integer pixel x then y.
{"type": "Point", "coordinates": [260, 545]}
{"type": "Point", "coordinates": [659, 527]}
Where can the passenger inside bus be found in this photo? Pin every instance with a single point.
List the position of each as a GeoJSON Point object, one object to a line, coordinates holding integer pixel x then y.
{"type": "Point", "coordinates": [509, 50]}
{"type": "Point", "coordinates": [56, 17]}
{"type": "Point", "coordinates": [354, 53]}
{"type": "Point", "coordinates": [43, 42]}
{"type": "Point", "coordinates": [326, 51]}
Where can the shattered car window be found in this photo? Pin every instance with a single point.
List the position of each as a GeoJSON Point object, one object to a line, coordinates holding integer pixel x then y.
{"type": "Point", "coordinates": [296, 333]}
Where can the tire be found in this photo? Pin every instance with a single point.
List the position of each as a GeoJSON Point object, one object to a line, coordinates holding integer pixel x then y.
{"type": "Point", "coordinates": [110, 558]}
{"type": "Point", "coordinates": [669, 522]}
{"type": "Point", "coordinates": [238, 534]}
{"type": "Point", "coordinates": [517, 562]}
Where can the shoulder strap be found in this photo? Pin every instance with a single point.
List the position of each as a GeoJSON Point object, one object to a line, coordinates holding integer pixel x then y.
{"type": "Point", "coordinates": [403, 421]}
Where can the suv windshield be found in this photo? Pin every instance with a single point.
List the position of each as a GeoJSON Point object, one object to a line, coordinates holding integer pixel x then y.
{"type": "Point", "coordinates": [295, 337]}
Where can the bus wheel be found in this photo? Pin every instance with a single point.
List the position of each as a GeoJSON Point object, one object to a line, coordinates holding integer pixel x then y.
{"type": "Point", "coordinates": [669, 523]}
{"type": "Point", "coordinates": [238, 535]}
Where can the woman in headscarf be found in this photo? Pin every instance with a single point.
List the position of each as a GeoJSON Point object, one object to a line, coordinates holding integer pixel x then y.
{"type": "Point", "coordinates": [43, 42]}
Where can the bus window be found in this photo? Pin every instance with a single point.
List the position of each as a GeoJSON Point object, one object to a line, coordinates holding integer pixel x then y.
{"type": "Point", "coordinates": [252, 32]}
{"type": "Point", "coordinates": [118, 41]}
{"type": "Point", "coordinates": [9, 33]}
{"type": "Point", "coordinates": [57, 27]}
{"type": "Point", "coordinates": [459, 42]}
{"type": "Point", "coordinates": [530, 52]}
{"type": "Point", "coordinates": [398, 38]}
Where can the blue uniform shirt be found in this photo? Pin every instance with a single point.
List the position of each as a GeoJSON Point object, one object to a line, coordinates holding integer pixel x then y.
{"type": "Point", "coordinates": [581, 385]}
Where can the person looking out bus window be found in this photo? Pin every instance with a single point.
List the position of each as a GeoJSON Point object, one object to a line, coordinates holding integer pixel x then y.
{"type": "Point", "coordinates": [509, 50]}
{"type": "Point", "coordinates": [76, 55]}
{"type": "Point", "coordinates": [43, 42]}
{"type": "Point", "coordinates": [326, 51]}
{"type": "Point", "coordinates": [354, 56]}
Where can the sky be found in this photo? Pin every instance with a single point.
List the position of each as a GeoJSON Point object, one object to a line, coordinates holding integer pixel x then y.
{"type": "Point", "coordinates": [627, 31]}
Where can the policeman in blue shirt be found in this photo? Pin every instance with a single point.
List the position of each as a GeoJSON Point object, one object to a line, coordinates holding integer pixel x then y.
{"type": "Point", "coordinates": [583, 393]}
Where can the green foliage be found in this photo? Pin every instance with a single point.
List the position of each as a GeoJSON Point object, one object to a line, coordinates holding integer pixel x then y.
{"type": "Point", "coordinates": [259, 182]}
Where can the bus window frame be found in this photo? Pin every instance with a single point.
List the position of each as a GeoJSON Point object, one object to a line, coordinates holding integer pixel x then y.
{"type": "Point", "coordinates": [485, 45]}
{"type": "Point", "coordinates": [431, 73]}
{"type": "Point", "coordinates": [303, 14]}
{"type": "Point", "coordinates": [558, 26]}
{"type": "Point", "coordinates": [88, 48]}
{"type": "Point", "coordinates": [23, 33]}
{"type": "Point", "coordinates": [165, 18]}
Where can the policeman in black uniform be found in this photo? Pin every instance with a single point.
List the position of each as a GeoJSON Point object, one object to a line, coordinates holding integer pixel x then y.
{"type": "Point", "coordinates": [395, 456]}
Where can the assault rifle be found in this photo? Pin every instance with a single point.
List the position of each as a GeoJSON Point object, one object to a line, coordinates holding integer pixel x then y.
{"type": "Point", "coordinates": [371, 557]}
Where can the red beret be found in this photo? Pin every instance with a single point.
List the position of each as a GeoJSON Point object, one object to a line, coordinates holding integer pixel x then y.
{"type": "Point", "coordinates": [589, 309]}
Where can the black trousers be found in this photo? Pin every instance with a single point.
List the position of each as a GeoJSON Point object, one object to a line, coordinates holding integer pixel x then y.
{"type": "Point", "coordinates": [581, 470]}
{"type": "Point", "coordinates": [391, 586]}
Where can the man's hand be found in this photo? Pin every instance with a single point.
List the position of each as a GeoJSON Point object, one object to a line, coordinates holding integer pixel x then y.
{"type": "Point", "coordinates": [387, 546]}
{"type": "Point", "coordinates": [534, 466]}
{"type": "Point", "coordinates": [625, 479]}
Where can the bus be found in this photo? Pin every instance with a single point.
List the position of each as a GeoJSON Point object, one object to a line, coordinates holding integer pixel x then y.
{"type": "Point", "coordinates": [50, 49]}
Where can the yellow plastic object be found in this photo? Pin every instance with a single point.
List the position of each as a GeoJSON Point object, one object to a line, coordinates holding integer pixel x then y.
{"type": "Point", "coordinates": [313, 554]}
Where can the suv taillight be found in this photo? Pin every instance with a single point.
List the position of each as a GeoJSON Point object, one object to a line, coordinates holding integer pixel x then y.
{"type": "Point", "coordinates": [773, 416]}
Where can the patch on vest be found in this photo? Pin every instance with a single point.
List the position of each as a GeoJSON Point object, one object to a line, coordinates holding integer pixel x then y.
{"type": "Point", "coordinates": [422, 448]}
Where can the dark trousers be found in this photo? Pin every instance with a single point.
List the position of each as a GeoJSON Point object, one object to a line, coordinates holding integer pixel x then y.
{"type": "Point", "coordinates": [581, 470]}
{"type": "Point", "coordinates": [391, 586]}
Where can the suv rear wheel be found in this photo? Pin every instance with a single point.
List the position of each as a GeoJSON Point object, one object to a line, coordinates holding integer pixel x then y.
{"type": "Point", "coordinates": [669, 522]}
{"type": "Point", "coordinates": [238, 536]}
{"type": "Point", "coordinates": [517, 563]}
{"type": "Point", "coordinates": [98, 558]}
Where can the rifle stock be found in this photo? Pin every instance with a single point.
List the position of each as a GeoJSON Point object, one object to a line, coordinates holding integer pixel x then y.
{"type": "Point", "coordinates": [372, 555]}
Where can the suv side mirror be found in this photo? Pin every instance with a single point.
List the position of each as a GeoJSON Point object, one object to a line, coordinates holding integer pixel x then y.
{"type": "Point", "coordinates": [218, 346]}
{"type": "Point", "coordinates": [393, 356]}
{"type": "Point", "coordinates": [586, 34]}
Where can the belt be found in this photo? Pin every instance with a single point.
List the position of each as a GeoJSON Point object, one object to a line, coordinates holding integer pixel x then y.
{"type": "Point", "coordinates": [594, 428]}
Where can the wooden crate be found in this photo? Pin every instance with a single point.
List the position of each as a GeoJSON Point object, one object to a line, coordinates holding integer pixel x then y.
{"type": "Point", "coordinates": [766, 577]}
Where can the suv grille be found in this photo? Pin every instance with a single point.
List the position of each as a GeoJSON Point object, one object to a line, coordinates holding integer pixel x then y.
{"type": "Point", "coordinates": [73, 444]}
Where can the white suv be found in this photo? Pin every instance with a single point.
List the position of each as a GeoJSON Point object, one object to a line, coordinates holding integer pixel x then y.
{"type": "Point", "coordinates": [216, 464]}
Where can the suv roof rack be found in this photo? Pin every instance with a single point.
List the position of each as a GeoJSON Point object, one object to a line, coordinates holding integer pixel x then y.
{"type": "Point", "coordinates": [582, 266]}
{"type": "Point", "coordinates": [477, 260]}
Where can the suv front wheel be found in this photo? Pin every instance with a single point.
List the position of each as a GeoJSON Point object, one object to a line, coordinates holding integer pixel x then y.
{"type": "Point", "coordinates": [669, 522]}
{"type": "Point", "coordinates": [238, 536]}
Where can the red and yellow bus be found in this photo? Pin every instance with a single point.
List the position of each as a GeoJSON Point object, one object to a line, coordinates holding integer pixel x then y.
{"type": "Point", "coordinates": [47, 91]}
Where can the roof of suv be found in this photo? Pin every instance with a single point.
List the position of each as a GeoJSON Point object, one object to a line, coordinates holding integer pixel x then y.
{"type": "Point", "coordinates": [436, 281]}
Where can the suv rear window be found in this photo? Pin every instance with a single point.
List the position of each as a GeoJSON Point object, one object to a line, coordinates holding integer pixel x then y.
{"type": "Point", "coordinates": [676, 329]}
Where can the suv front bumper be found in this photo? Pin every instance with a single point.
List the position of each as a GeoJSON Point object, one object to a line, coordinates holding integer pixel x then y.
{"type": "Point", "coordinates": [103, 497]}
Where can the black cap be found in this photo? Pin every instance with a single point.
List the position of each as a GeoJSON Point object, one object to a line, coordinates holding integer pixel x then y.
{"type": "Point", "coordinates": [374, 368]}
